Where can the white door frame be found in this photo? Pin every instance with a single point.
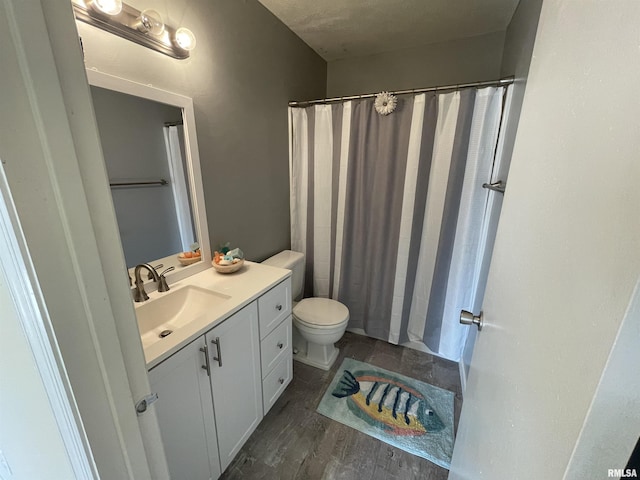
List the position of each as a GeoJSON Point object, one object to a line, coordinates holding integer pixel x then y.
{"type": "Point", "coordinates": [22, 284]}
{"type": "Point", "coordinates": [51, 153]}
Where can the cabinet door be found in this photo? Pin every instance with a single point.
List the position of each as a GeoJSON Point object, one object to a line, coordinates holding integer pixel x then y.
{"type": "Point", "coordinates": [234, 351]}
{"type": "Point", "coordinates": [185, 413]}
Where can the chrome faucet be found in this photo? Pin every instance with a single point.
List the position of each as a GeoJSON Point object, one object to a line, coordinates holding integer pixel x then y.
{"type": "Point", "coordinates": [139, 294]}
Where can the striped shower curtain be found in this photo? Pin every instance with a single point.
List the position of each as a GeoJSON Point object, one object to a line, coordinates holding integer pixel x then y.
{"type": "Point", "coordinates": [389, 210]}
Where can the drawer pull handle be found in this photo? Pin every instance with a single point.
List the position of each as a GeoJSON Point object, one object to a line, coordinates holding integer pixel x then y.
{"type": "Point", "coordinates": [281, 380]}
{"type": "Point", "coordinates": [206, 366]}
{"type": "Point", "coordinates": [280, 345]}
{"type": "Point", "coordinates": [278, 307]}
{"type": "Point", "coordinates": [218, 359]}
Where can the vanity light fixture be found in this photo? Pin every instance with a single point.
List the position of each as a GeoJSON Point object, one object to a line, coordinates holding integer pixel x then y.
{"type": "Point", "coordinates": [151, 22]}
{"type": "Point", "coordinates": [185, 39]}
{"type": "Point", "coordinates": [145, 28]}
{"type": "Point", "coordinates": [109, 7]}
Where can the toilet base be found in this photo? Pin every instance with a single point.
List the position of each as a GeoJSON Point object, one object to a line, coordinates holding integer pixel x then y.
{"type": "Point", "coordinates": [323, 361]}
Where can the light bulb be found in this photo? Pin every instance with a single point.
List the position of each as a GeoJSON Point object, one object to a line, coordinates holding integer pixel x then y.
{"type": "Point", "coordinates": [151, 22]}
{"type": "Point", "coordinates": [185, 39]}
{"type": "Point", "coordinates": [110, 7]}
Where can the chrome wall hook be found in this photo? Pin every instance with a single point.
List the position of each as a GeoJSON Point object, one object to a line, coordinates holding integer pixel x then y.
{"type": "Point", "coordinates": [496, 187]}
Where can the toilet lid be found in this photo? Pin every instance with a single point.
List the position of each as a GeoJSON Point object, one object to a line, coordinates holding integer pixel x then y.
{"type": "Point", "coordinates": [322, 312]}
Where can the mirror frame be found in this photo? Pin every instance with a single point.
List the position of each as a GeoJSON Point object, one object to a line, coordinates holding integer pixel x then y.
{"type": "Point", "coordinates": [111, 82]}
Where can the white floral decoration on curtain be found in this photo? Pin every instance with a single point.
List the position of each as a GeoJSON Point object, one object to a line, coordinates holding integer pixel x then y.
{"type": "Point", "coordinates": [385, 103]}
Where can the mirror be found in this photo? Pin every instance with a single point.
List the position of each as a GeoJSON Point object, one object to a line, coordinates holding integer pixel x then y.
{"type": "Point", "coordinates": [150, 150]}
{"type": "Point", "coordinates": [143, 145]}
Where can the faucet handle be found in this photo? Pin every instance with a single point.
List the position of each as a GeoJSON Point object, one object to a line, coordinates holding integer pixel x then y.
{"type": "Point", "coordinates": [162, 283]}
{"type": "Point", "coordinates": [167, 270]}
{"type": "Point", "coordinates": [150, 275]}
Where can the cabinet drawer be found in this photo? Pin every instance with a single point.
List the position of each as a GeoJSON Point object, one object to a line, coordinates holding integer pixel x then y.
{"type": "Point", "coordinates": [275, 346]}
{"type": "Point", "coordinates": [273, 307]}
{"type": "Point", "coordinates": [274, 384]}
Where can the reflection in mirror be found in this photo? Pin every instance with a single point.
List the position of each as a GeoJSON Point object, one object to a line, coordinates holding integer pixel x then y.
{"type": "Point", "coordinates": [143, 147]}
{"type": "Point", "coordinates": [151, 153]}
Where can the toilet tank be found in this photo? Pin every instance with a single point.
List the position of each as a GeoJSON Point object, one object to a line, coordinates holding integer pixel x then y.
{"type": "Point", "coordinates": [293, 261]}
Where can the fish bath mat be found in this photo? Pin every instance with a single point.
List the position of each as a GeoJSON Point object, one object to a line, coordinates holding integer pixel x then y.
{"type": "Point", "coordinates": [403, 412]}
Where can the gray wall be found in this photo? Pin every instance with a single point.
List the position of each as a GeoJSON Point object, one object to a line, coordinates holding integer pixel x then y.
{"type": "Point", "coordinates": [518, 43]}
{"type": "Point", "coordinates": [247, 65]}
{"type": "Point", "coordinates": [518, 48]}
{"type": "Point", "coordinates": [132, 137]}
{"type": "Point", "coordinates": [467, 60]}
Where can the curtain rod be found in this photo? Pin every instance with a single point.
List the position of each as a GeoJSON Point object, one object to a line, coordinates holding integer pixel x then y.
{"type": "Point", "coordinates": [489, 83]}
{"type": "Point", "coordinates": [173, 124]}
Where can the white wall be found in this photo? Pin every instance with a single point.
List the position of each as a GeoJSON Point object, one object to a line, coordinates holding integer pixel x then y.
{"type": "Point", "coordinates": [612, 421]}
{"type": "Point", "coordinates": [458, 61]}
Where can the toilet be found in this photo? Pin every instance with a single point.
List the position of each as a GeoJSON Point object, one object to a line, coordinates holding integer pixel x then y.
{"type": "Point", "coordinates": [318, 323]}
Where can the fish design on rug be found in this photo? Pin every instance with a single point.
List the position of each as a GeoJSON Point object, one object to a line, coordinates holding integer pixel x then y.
{"type": "Point", "coordinates": [387, 403]}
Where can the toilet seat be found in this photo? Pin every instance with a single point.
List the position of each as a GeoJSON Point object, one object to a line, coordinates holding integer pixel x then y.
{"type": "Point", "coordinates": [320, 313]}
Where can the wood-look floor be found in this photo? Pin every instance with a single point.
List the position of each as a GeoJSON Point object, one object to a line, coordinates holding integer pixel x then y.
{"type": "Point", "coordinates": [295, 442]}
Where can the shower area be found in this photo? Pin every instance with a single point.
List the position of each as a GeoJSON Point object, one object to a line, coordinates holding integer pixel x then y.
{"type": "Point", "coordinates": [394, 202]}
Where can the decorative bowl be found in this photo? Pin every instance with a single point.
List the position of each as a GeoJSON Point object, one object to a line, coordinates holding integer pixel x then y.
{"type": "Point", "coordinates": [228, 268]}
{"type": "Point", "coordinates": [188, 261]}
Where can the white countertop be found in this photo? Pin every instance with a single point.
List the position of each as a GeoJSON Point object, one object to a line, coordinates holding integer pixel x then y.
{"type": "Point", "coordinates": [243, 286]}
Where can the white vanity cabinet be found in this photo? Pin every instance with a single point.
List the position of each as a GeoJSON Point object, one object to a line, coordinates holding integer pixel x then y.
{"type": "Point", "coordinates": [210, 397]}
{"type": "Point", "coordinates": [234, 359]}
{"type": "Point", "coordinates": [185, 413]}
{"type": "Point", "coordinates": [213, 393]}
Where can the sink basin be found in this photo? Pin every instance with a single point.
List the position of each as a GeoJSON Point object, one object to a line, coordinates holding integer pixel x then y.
{"type": "Point", "coordinates": [161, 316]}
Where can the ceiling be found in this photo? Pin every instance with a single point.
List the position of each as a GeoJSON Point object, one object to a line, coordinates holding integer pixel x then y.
{"type": "Point", "coordinates": [338, 29]}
